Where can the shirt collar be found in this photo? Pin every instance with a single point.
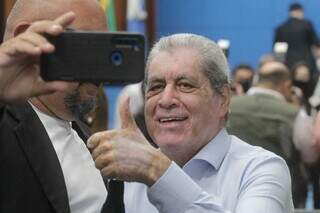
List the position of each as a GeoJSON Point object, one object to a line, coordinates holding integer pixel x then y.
{"type": "Point", "coordinates": [265, 91]}
{"type": "Point", "coordinates": [215, 151]}
{"type": "Point", "coordinates": [50, 121]}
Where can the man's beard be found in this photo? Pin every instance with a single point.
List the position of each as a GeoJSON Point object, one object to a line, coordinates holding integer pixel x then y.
{"type": "Point", "coordinates": [79, 108]}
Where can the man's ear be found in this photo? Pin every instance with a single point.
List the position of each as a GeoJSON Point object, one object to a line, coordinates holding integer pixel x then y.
{"type": "Point", "coordinates": [285, 88]}
{"type": "Point", "coordinates": [225, 100]}
{"type": "Point", "coordinates": [20, 28]}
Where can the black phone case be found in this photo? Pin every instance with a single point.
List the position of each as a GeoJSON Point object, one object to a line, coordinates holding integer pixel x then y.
{"type": "Point", "coordinates": [95, 57]}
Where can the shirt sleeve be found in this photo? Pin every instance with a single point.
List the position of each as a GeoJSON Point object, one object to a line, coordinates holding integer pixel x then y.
{"type": "Point", "coordinates": [175, 191]}
{"type": "Point", "coordinates": [265, 190]}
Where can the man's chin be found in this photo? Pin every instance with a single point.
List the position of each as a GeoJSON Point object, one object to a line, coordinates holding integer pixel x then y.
{"type": "Point", "coordinates": [84, 107]}
{"type": "Point", "coordinates": [170, 141]}
{"type": "Point", "coordinates": [79, 108]}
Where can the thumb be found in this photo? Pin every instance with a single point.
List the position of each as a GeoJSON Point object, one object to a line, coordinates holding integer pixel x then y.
{"type": "Point", "coordinates": [127, 120]}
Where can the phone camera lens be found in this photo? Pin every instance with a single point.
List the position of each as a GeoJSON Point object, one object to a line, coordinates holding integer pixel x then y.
{"type": "Point", "coordinates": [116, 58]}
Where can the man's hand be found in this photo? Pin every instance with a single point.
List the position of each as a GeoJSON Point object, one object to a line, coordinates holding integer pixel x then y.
{"type": "Point", "coordinates": [19, 58]}
{"type": "Point", "coordinates": [125, 154]}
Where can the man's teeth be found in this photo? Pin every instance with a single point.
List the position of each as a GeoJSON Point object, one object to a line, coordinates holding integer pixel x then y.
{"type": "Point", "coordinates": [171, 119]}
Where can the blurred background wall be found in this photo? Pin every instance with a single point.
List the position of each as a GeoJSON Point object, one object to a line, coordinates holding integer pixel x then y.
{"type": "Point", "coordinates": [248, 24]}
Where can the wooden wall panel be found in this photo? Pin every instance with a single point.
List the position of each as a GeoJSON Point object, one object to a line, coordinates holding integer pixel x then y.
{"type": "Point", "coordinates": [151, 22]}
{"type": "Point", "coordinates": [7, 6]}
{"type": "Point", "coordinates": [121, 13]}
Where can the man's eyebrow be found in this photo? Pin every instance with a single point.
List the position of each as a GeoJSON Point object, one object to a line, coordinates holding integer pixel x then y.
{"type": "Point", "coordinates": [178, 78]}
{"type": "Point", "coordinates": [154, 79]}
{"type": "Point", "coordinates": [182, 77]}
{"type": "Point", "coordinates": [185, 77]}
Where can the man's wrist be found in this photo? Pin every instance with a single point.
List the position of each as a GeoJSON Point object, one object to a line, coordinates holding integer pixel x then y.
{"type": "Point", "coordinates": [160, 163]}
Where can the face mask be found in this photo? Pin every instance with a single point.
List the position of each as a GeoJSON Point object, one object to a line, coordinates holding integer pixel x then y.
{"type": "Point", "coordinates": [304, 86]}
{"type": "Point", "coordinates": [246, 84]}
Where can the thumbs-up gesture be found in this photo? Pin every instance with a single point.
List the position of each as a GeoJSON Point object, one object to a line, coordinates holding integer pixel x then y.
{"type": "Point", "coordinates": [125, 154]}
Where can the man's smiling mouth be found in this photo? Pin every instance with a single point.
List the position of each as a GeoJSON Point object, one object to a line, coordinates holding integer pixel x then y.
{"type": "Point", "coordinates": [172, 119]}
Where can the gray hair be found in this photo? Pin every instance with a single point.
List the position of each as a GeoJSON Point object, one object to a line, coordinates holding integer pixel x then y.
{"type": "Point", "coordinates": [211, 58]}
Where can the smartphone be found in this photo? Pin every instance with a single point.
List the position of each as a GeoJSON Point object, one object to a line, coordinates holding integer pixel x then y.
{"type": "Point", "coordinates": [103, 57]}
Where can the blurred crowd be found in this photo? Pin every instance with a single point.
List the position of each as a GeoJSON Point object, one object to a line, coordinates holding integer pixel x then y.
{"type": "Point", "coordinates": [276, 106]}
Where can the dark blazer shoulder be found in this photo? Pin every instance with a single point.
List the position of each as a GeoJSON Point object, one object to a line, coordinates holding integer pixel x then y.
{"type": "Point", "coordinates": [29, 164]}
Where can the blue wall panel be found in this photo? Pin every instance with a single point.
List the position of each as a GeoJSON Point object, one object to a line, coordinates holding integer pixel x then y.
{"type": "Point", "coordinates": [248, 24]}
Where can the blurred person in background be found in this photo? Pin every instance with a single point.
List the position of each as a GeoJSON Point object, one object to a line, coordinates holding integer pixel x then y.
{"type": "Point", "coordinates": [301, 90]}
{"type": "Point", "coordinates": [301, 75]}
{"type": "Point", "coordinates": [242, 77]}
{"type": "Point", "coordinates": [301, 38]}
{"type": "Point", "coordinates": [263, 117]}
{"type": "Point", "coordinates": [307, 141]}
{"type": "Point", "coordinates": [265, 58]}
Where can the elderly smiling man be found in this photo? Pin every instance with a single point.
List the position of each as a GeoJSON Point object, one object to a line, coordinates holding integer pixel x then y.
{"type": "Point", "coordinates": [198, 167]}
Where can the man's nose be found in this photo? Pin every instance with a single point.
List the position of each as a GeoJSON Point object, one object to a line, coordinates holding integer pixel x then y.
{"type": "Point", "coordinates": [168, 98]}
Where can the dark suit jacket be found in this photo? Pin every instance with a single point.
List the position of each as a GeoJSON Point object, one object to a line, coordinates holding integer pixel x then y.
{"type": "Point", "coordinates": [300, 36]}
{"type": "Point", "coordinates": [31, 177]}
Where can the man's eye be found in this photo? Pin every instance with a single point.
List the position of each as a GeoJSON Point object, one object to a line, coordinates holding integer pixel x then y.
{"type": "Point", "coordinates": [153, 90]}
{"type": "Point", "coordinates": [155, 87]}
{"type": "Point", "coordinates": [185, 86]}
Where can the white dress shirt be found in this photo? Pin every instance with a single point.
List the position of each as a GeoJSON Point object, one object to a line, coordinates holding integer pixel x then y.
{"type": "Point", "coordinates": [227, 175]}
{"type": "Point", "coordinates": [84, 183]}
